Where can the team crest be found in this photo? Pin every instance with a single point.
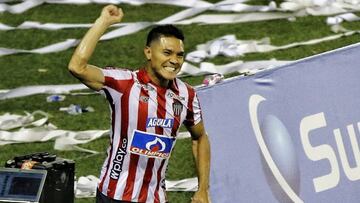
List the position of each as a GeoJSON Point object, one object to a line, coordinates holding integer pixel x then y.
{"type": "Point", "coordinates": [177, 107]}
{"type": "Point", "coordinates": [144, 98]}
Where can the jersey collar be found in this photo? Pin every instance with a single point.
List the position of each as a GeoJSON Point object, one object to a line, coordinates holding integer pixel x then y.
{"type": "Point", "coordinates": [144, 77]}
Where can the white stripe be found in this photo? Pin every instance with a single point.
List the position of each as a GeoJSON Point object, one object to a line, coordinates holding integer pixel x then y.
{"type": "Point", "coordinates": [152, 107]}
{"type": "Point", "coordinates": [153, 182]}
{"type": "Point", "coordinates": [183, 92]}
{"type": "Point", "coordinates": [140, 171]}
{"type": "Point", "coordinates": [196, 110]}
{"type": "Point", "coordinates": [169, 111]}
{"type": "Point", "coordinates": [162, 192]}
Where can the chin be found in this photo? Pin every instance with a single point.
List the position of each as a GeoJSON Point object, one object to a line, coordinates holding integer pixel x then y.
{"type": "Point", "coordinates": [169, 76]}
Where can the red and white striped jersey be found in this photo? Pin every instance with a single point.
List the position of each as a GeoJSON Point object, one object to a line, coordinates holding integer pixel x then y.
{"type": "Point", "coordinates": [145, 120]}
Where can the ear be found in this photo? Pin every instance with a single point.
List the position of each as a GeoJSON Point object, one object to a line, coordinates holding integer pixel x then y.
{"type": "Point", "coordinates": [147, 52]}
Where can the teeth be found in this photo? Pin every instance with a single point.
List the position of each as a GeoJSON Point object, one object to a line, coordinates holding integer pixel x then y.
{"type": "Point", "coordinates": [170, 69]}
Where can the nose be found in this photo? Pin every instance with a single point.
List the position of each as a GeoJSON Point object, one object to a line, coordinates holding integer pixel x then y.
{"type": "Point", "coordinates": [174, 61]}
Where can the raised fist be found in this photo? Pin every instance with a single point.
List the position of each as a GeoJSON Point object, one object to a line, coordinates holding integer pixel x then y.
{"type": "Point", "coordinates": [111, 14]}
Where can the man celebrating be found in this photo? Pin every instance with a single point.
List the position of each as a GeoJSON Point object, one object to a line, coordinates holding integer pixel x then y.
{"type": "Point", "coordinates": [147, 108]}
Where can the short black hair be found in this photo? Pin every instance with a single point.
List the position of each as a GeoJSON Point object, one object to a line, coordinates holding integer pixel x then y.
{"type": "Point", "coordinates": [164, 30]}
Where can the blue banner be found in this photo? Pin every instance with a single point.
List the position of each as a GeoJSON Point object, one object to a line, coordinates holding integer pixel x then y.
{"type": "Point", "coordinates": [289, 134]}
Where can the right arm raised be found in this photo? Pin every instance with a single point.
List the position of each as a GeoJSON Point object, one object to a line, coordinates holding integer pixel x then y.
{"type": "Point", "coordinates": [88, 74]}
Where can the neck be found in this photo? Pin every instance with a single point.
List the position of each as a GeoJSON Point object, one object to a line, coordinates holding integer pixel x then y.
{"type": "Point", "coordinates": [156, 78]}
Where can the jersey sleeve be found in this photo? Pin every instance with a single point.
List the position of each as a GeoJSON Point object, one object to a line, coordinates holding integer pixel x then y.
{"type": "Point", "coordinates": [194, 115]}
{"type": "Point", "coordinates": [116, 79]}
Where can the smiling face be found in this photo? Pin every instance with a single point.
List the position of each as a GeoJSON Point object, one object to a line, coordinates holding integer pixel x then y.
{"type": "Point", "coordinates": [165, 58]}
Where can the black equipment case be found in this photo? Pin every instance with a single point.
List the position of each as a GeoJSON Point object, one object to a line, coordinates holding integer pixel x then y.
{"type": "Point", "coordinates": [59, 183]}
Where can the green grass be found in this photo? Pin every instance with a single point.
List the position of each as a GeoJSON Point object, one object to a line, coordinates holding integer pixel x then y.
{"type": "Point", "coordinates": [22, 70]}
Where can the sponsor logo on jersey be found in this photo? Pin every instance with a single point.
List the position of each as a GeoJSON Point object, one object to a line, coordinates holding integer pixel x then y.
{"type": "Point", "coordinates": [151, 145]}
{"type": "Point", "coordinates": [175, 96]}
{"type": "Point", "coordinates": [118, 160]}
{"type": "Point", "coordinates": [160, 122]}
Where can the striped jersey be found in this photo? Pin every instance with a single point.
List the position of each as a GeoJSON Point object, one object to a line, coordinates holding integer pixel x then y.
{"type": "Point", "coordinates": [145, 120]}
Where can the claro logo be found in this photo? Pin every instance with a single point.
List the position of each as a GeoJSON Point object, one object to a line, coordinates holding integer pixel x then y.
{"type": "Point", "coordinates": [254, 102]}
{"type": "Point", "coordinates": [307, 128]}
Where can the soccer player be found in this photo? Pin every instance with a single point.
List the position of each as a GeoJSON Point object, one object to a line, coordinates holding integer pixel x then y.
{"type": "Point", "coordinates": [147, 108]}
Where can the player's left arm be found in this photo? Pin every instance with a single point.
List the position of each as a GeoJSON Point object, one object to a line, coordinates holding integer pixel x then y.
{"type": "Point", "coordinates": [201, 151]}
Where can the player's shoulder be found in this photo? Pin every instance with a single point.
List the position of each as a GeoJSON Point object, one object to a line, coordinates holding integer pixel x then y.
{"type": "Point", "coordinates": [117, 73]}
{"type": "Point", "coordinates": [182, 84]}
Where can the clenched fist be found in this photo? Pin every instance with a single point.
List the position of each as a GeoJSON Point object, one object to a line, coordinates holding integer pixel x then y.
{"type": "Point", "coordinates": [111, 14]}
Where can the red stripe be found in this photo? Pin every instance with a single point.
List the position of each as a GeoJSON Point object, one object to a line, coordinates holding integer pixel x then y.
{"type": "Point", "coordinates": [134, 158]}
{"type": "Point", "coordinates": [176, 117]}
{"type": "Point", "coordinates": [123, 132]}
{"type": "Point", "coordinates": [157, 199]}
{"type": "Point", "coordinates": [143, 110]}
{"type": "Point", "coordinates": [146, 180]}
{"type": "Point", "coordinates": [161, 108]}
{"type": "Point", "coordinates": [190, 113]}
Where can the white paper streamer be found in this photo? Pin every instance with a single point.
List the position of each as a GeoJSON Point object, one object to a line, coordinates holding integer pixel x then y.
{"type": "Point", "coordinates": [234, 18]}
{"type": "Point", "coordinates": [41, 89]}
{"type": "Point", "coordinates": [320, 7]}
{"type": "Point", "coordinates": [188, 184]}
{"type": "Point", "coordinates": [241, 67]}
{"type": "Point", "coordinates": [86, 186]}
{"type": "Point", "coordinates": [340, 18]}
{"type": "Point", "coordinates": [125, 30]}
{"type": "Point", "coordinates": [227, 5]}
{"type": "Point", "coordinates": [21, 7]}
{"type": "Point", "coordinates": [183, 135]}
{"type": "Point", "coordinates": [183, 3]}
{"type": "Point", "coordinates": [72, 139]}
{"type": "Point", "coordinates": [53, 26]}
{"type": "Point", "coordinates": [241, 7]}
{"type": "Point", "coordinates": [11, 121]}
{"type": "Point", "coordinates": [64, 139]}
{"type": "Point", "coordinates": [229, 46]}
{"type": "Point", "coordinates": [6, 27]}
{"type": "Point", "coordinates": [61, 46]}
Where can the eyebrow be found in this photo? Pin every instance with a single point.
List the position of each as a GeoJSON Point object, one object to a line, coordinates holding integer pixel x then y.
{"type": "Point", "coordinates": [170, 50]}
